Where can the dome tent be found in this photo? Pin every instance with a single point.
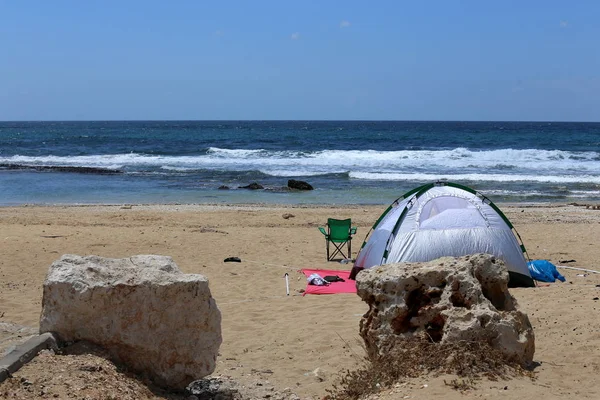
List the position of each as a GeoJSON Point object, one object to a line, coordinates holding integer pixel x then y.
{"type": "Point", "coordinates": [444, 219]}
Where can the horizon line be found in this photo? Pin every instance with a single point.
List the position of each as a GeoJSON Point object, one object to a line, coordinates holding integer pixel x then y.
{"type": "Point", "coordinates": [297, 120]}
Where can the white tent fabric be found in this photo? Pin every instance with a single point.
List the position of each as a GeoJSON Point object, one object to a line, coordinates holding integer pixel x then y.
{"type": "Point", "coordinates": [442, 221]}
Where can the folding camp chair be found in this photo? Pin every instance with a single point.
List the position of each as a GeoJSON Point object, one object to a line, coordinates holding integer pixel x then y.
{"type": "Point", "coordinates": [339, 232]}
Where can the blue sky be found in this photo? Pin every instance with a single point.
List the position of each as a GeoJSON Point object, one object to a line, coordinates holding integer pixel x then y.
{"type": "Point", "coordinates": [391, 60]}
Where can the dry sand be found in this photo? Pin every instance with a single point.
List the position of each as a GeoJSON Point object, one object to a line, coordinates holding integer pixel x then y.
{"type": "Point", "coordinates": [298, 342]}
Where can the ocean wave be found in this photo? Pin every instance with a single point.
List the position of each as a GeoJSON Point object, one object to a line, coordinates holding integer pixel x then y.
{"type": "Point", "coordinates": [475, 177]}
{"type": "Point", "coordinates": [586, 192]}
{"type": "Point", "coordinates": [300, 163]}
{"type": "Point", "coordinates": [55, 168]}
{"type": "Point", "coordinates": [115, 161]}
{"type": "Point", "coordinates": [178, 169]}
{"type": "Point", "coordinates": [541, 193]}
{"type": "Point", "coordinates": [304, 172]}
{"type": "Point", "coordinates": [499, 156]}
{"type": "Point", "coordinates": [234, 153]}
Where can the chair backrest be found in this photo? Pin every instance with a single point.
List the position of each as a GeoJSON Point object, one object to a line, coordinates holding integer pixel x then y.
{"type": "Point", "coordinates": [339, 229]}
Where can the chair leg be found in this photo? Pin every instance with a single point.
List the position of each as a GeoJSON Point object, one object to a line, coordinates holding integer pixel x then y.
{"type": "Point", "coordinates": [339, 249]}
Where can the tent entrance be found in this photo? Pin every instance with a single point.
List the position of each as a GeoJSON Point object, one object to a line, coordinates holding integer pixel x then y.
{"type": "Point", "coordinates": [450, 212]}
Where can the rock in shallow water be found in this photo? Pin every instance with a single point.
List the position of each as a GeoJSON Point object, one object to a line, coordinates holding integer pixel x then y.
{"type": "Point", "coordinates": [142, 309]}
{"type": "Point", "coordinates": [299, 185]}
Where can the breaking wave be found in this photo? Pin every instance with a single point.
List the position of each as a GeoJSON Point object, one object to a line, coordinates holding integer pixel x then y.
{"type": "Point", "coordinates": [503, 165]}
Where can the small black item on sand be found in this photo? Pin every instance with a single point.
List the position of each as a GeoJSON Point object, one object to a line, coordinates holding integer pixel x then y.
{"type": "Point", "coordinates": [232, 259]}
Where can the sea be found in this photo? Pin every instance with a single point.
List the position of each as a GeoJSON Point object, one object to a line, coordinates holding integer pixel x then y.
{"type": "Point", "coordinates": [346, 162]}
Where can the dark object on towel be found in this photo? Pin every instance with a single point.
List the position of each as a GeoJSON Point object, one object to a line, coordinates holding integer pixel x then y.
{"type": "Point", "coordinates": [334, 278]}
{"type": "Point", "coordinates": [232, 259]}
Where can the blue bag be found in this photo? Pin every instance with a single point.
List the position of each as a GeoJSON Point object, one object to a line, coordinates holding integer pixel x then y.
{"type": "Point", "coordinates": [544, 271]}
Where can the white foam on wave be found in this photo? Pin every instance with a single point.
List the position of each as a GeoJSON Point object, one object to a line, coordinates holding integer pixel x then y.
{"type": "Point", "coordinates": [587, 192]}
{"type": "Point", "coordinates": [177, 169]}
{"type": "Point", "coordinates": [100, 161]}
{"type": "Point", "coordinates": [235, 153]}
{"type": "Point", "coordinates": [523, 193]}
{"type": "Point", "coordinates": [475, 177]}
{"type": "Point", "coordinates": [340, 160]}
{"type": "Point", "coordinates": [528, 165]}
{"type": "Point", "coordinates": [299, 172]}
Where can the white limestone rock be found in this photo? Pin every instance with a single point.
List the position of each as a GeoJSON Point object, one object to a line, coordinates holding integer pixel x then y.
{"type": "Point", "coordinates": [143, 309]}
{"type": "Point", "coordinates": [451, 299]}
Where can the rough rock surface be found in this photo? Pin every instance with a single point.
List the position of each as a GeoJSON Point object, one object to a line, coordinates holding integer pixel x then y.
{"type": "Point", "coordinates": [299, 185]}
{"type": "Point", "coordinates": [142, 309]}
{"type": "Point", "coordinates": [449, 299]}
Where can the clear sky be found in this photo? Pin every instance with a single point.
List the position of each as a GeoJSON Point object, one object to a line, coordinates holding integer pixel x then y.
{"type": "Point", "coordinates": [278, 59]}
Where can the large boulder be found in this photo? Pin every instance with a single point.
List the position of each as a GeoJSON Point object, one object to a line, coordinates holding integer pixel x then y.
{"type": "Point", "coordinates": [448, 300]}
{"type": "Point", "coordinates": [142, 309]}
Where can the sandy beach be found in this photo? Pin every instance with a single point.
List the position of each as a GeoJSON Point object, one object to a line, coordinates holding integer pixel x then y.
{"type": "Point", "coordinates": [304, 342]}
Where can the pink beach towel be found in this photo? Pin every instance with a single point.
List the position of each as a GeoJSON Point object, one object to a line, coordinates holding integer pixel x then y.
{"type": "Point", "coordinates": [349, 286]}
